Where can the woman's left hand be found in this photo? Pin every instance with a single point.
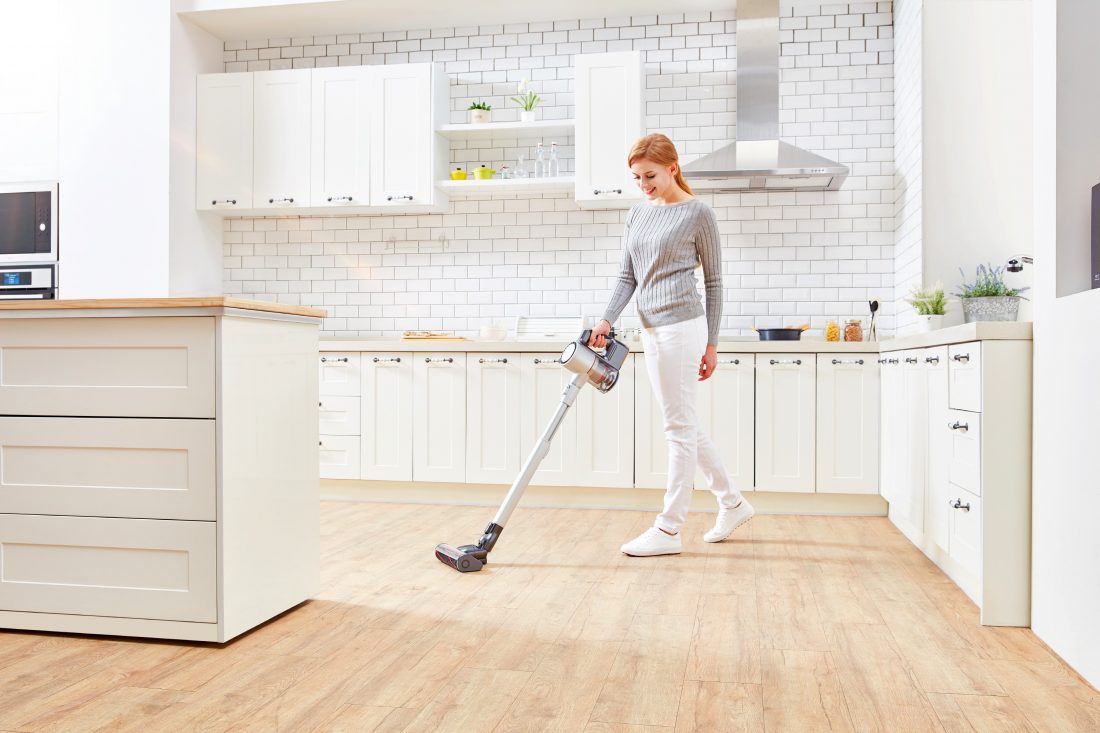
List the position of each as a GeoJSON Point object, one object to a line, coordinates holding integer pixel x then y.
{"type": "Point", "coordinates": [708, 362]}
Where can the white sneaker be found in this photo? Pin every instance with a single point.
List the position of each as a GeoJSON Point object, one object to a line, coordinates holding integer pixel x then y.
{"type": "Point", "coordinates": [729, 520]}
{"type": "Point", "coordinates": [652, 542]}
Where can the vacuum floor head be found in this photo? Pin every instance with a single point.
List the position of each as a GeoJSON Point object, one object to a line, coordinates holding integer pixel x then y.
{"type": "Point", "coordinates": [458, 559]}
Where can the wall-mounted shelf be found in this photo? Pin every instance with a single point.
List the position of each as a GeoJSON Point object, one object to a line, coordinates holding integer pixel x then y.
{"type": "Point", "coordinates": [538, 128]}
{"type": "Point", "coordinates": [511, 185]}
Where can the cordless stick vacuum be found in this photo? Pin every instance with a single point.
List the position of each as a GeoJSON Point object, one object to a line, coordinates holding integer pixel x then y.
{"type": "Point", "coordinates": [590, 367]}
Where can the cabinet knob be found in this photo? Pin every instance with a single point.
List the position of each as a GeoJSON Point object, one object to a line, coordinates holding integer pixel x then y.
{"type": "Point", "coordinates": [281, 201]}
{"type": "Point", "coordinates": [959, 426]}
{"type": "Point", "coordinates": [958, 504]}
{"type": "Point", "coordinates": [430, 360]}
{"type": "Point", "coordinates": [598, 191]}
{"type": "Point", "coordinates": [231, 202]}
{"type": "Point", "coordinates": [335, 358]}
{"type": "Point", "coordinates": [406, 197]}
{"type": "Point", "coordinates": [961, 357]}
{"type": "Point", "coordinates": [931, 360]}
{"type": "Point", "coordinates": [394, 359]}
{"type": "Point", "coordinates": [785, 361]}
{"type": "Point", "coordinates": [851, 361]}
{"type": "Point", "coordinates": [340, 198]}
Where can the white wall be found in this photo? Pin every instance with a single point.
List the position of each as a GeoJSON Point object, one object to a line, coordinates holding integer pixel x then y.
{"type": "Point", "coordinates": [977, 192]}
{"type": "Point", "coordinates": [908, 161]}
{"type": "Point", "coordinates": [28, 90]}
{"type": "Point", "coordinates": [1066, 485]}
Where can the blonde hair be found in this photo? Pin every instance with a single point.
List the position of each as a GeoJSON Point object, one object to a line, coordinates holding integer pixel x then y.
{"type": "Point", "coordinates": [659, 149]}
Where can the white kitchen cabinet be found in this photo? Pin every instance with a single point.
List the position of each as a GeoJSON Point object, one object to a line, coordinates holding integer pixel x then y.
{"type": "Point", "coordinates": [605, 433]}
{"type": "Point", "coordinates": [340, 133]}
{"type": "Point", "coordinates": [281, 145]}
{"type": "Point", "coordinates": [542, 380]}
{"type": "Point", "coordinates": [785, 422]}
{"type": "Point", "coordinates": [907, 510]}
{"type": "Point", "coordinates": [387, 409]}
{"type": "Point", "coordinates": [891, 427]}
{"type": "Point", "coordinates": [223, 141]}
{"type": "Point", "coordinates": [340, 415]}
{"type": "Point", "coordinates": [847, 424]}
{"type": "Point", "coordinates": [966, 530]}
{"type": "Point", "coordinates": [339, 456]}
{"type": "Point", "coordinates": [936, 513]}
{"type": "Point", "coordinates": [964, 371]}
{"type": "Point", "coordinates": [608, 100]}
{"type": "Point", "coordinates": [724, 405]}
{"type": "Point", "coordinates": [439, 417]}
{"type": "Point", "coordinates": [338, 373]}
{"type": "Point", "coordinates": [410, 101]}
{"type": "Point", "coordinates": [493, 418]}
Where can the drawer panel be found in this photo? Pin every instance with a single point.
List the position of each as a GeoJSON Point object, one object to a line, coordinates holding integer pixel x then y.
{"type": "Point", "coordinates": [133, 568]}
{"type": "Point", "coordinates": [964, 370]}
{"type": "Point", "coordinates": [339, 415]}
{"type": "Point", "coordinates": [339, 373]}
{"type": "Point", "coordinates": [108, 367]}
{"type": "Point", "coordinates": [108, 467]}
{"type": "Point", "coordinates": [340, 456]}
{"type": "Point", "coordinates": [965, 529]}
{"type": "Point", "coordinates": [964, 467]}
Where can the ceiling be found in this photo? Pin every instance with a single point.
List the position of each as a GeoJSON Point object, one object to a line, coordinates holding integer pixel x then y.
{"type": "Point", "coordinates": [233, 20]}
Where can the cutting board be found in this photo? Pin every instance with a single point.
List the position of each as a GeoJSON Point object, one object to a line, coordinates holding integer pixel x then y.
{"type": "Point", "coordinates": [430, 336]}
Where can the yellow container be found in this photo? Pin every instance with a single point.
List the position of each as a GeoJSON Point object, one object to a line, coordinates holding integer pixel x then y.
{"type": "Point", "coordinates": [458, 175]}
{"type": "Point", "coordinates": [483, 173]}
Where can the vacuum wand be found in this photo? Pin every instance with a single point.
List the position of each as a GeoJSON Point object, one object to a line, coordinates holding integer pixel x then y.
{"type": "Point", "coordinates": [588, 367]}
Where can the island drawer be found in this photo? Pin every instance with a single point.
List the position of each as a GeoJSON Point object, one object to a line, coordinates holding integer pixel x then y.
{"type": "Point", "coordinates": [108, 467]}
{"type": "Point", "coordinates": [108, 367]}
{"type": "Point", "coordinates": [131, 568]}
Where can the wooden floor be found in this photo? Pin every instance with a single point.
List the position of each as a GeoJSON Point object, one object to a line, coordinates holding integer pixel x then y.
{"type": "Point", "coordinates": [795, 624]}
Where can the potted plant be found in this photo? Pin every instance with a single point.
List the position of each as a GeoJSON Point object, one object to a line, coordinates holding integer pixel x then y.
{"type": "Point", "coordinates": [528, 100]}
{"type": "Point", "coordinates": [988, 298]}
{"type": "Point", "coordinates": [479, 112]}
{"type": "Point", "coordinates": [931, 305]}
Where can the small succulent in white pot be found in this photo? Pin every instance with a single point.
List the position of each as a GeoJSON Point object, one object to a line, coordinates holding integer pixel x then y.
{"type": "Point", "coordinates": [931, 305]}
{"type": "Point", "coordinates": [479, 112]}
{"type": "Point", "coordinates": [988, 298]}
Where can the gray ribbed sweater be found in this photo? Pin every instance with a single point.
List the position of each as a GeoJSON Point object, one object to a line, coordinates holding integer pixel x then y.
{"type": "Point", "coordinates": [662, 245]}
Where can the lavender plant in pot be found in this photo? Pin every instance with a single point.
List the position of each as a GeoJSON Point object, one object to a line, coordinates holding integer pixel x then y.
{"type": "Point", "coordinates": [931, 305]}
{"type": "Point", "coordinates": [988, 298]}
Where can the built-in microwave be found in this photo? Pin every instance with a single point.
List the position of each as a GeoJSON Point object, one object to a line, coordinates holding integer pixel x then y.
{"type": "Point", "coordinates": [28, 223]}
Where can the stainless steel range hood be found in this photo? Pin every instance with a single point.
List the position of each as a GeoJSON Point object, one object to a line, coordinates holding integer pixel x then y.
{"type": "Point", "coordinates": [759, 160]}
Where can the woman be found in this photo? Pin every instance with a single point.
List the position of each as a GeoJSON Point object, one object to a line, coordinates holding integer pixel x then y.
{"type": "Point", "coordinates": [665, 240]}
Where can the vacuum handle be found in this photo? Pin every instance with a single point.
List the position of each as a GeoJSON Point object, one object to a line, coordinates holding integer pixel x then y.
{"type": "Point", "coordinates": [586, 335]}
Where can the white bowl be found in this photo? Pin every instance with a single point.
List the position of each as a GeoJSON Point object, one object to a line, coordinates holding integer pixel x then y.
{"type": "Point", "coordinates": [494, 333]}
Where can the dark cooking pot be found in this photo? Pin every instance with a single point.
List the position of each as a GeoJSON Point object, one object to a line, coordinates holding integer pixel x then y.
{"type": "Point", "coordinates": [779, 334]}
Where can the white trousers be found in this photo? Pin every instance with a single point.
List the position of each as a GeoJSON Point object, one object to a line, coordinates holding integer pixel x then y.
{"type": "Point", "coordinates": [672, 356]}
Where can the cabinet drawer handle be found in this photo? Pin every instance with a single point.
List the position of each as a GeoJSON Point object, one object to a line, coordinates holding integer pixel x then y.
{"type": "Point", "coordinates": [281, 201]}
{"type": "Point", "coordinates": [335, 358]}
{"type": "Point", "coordinates": [731, 361]}
{"type": "Point", "coordinates": [961, 357]}
{"type": "Point", "coordinates": [958, 504]}
{"type": "Point", "coordinates": [598, 191]}
{"type": "Point", "coordinates": [785, 361]}
{"type": "Point", "coordinates": [931, 360]}
{"type": "Point", "coordinates": [852, 361]}
{"type": "Point", "coordinates": [547, 361]}
{"type": "Point", "coordinates": [406, 197]}
{"type": "Point", "coordinates": [448, 359]}
{"type": "Point", "coordinates": [959, 426]}
{"type": "Point", "coordinates": [493, 361]}
{"type": "Point", "coordinates": [231, 202]}
{"type": "Point", "coordinates": [911, 360]}
{"type": "Point", "coordinates": [394, 359]}
{"type": "Point", "coordinates": [891, 361]}
{"type": "Point", "coordinates": [340, 198]}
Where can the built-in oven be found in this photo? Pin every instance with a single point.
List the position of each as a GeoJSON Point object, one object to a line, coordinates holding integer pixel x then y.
{"type": "Point", "coordinates": [28, 282]}
{"type": "Point", "coordinates": [28, 223]}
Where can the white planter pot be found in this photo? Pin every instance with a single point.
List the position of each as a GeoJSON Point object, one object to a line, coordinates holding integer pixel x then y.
{"type": "Point", "coordinates": [925, 324]}
{"type": "Point", "coordinates": [525, 116]}
{"type": "Point", "coordinates": [992, 308]}
{"type": "Point", "coordinates": [479, 116]}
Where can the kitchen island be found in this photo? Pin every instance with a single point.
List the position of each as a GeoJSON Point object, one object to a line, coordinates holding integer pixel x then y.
{"type": "Point", "coordinates": [158, 465]}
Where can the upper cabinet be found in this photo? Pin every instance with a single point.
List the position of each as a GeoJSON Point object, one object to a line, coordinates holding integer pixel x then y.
{"type": "Point", "coordinates": [608, 94]}
{"type": "Point", "coordinates": [281, 120]}
{"type": "Point", "coordinates": [410, 102]}
{"type": "Point", "coordinates": [341, 150]}
{"type": "Point", "coordinates": [224, 142]}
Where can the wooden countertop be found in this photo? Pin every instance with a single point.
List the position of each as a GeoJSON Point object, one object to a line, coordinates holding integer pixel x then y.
{"type": "Point", "coordinates": [145, 303]}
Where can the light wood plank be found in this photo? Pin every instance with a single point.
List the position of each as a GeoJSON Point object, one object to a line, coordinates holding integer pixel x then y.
{"type": "Point", "coordinates": [1050, 695]}
{"type": "Point", "coordinates": [474, 700]}
{"type": "Point", "coordinates": [979, 713]}
{"type": "Point", "coordinates": [801, 692]}
{"type": "Point", "coordinates": [719, 707]}
{"type": "Point", "coordinates": [598, 727]}
{"type": "Point", "coordinates": [362, 719]}
{"type": "Point", "coordinates": [726, 642]}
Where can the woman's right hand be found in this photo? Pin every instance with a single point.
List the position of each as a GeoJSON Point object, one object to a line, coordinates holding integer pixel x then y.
{"type": "Point", "coordinates": [600, 332]}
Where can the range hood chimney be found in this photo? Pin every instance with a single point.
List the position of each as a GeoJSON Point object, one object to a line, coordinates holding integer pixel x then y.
{"type": "Point", "coordinates": [759, 160]}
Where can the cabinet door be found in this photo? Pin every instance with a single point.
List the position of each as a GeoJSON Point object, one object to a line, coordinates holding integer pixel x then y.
{"type": "Point", "coordinates": [892, 427]}
{"type": "Point", "coordinates": [493, 418]}
{"type": "Point", "coordinates": [340, 456]}
{"type": "Point", "coordinates": [387, 408]}
{"type": "Point", "coordinates": [965, 372]}
{"type": "Point", "coordinates": [847, 424]}
{"type": "Point", "coordinates": [223, 141]}
{"type": "Point", "coordinates": [937, 513]}
{"type": "Point", "coordinates": [282, 143]}
{"type": "Point", "coordinates": [966, 530]}
{"type": "Point", "coordinates": [402, 136]}
{"type": "Point", "coordinates": [908, 510]}
{"type": "Point", "coordinates": [340, 133]}
{"type": "Point", "coordinates": [338, 372]}
{"type": "Point", "coordinates": [785, 425]}
{"type": "Point", "coordinates": [608, 88]}
{"type": "Point", "coordinates": [542, 380]}
{"type": "Point", "coordinates": [605, 433]}
{"type": "Point", "coordinates": [730, 427]}
{"type": "Point", "coordinates": [439, 417]}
